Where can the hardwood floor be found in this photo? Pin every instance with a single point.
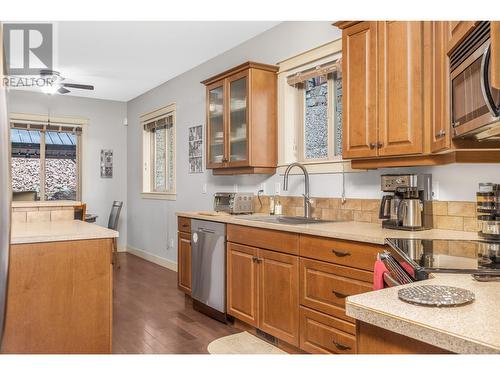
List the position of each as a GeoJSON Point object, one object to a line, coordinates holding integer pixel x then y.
{"type": "Point", "coordinates": [151, 316]}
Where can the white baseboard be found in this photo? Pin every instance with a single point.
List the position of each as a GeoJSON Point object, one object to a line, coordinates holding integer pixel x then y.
{"type": "Point", "coordinates": [153, 258]}
{"type": "Point", "coordinates": [122, 249]}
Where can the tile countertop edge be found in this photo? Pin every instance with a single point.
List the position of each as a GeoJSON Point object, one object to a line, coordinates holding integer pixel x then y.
{"type": "Point", "coordinates": [329, 229]}
{"type": "Point", "coordinates": [418, 331]}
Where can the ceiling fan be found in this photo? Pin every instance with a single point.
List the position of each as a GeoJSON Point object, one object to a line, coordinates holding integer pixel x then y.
{"type": "Point", "coordinates": [59, 86]}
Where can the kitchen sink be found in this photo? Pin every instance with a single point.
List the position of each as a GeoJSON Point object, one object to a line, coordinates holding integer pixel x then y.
{"type": "Point", "coordinates": [292, 220]}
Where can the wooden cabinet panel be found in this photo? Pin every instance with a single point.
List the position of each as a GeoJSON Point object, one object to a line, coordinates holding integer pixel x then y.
{"type": "Point", "coordinates": [400, 90]}
{"type": "Point", "coordinates": [440, 89]}
{"type": "Point", "coordinates": [59, 298]}
{"type": "Point", "coordinates": [184, 262]}
{"type": "Point", "coordinates": [325, 287]}
{"type": "Point", "coordinates": [348, 253]}
{"type": "Point", "coordinates": [278, 295]}
{"type": "Point", "coordinates": [184, 224]}
{"type": "Point", "coordinates": [285, 242]}
{"type": "Point", "coordinates": [216, 152]}
{"type": "Point", "coordinates": [457, 32]}
{"type": "Point", "coordinates": [322, 334]}
{"type": "Point", "coordinates": [375, 340]}
{"type": "Point", "coordinates": [242, 283]}
{"type": "Point", "coordinates": [359, 77]}
{"type": "Point", "coordinates": [495, 54]}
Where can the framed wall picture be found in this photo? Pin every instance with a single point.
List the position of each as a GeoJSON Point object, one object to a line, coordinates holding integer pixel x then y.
{"type": "Point", "coordinates": [195, 147]}
{"type": "Point", "coordinates": [106, 163]}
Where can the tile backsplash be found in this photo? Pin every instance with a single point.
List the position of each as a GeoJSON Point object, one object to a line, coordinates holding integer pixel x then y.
{"type": "Point", "coordinates": [447, 214]}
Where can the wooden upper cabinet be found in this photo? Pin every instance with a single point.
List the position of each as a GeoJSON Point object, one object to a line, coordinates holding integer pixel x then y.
{"type": "Point", "coordinates": [440, 88]}
{"type": "Point", "coordinates": [457, 32]}
{"type": "Point", "coordinates": [242, 283]}
{"type": "Point", "coordinates": [359, 77]}
{"type": "Point", "coordinates": [400, 106]}
{"type": "Point", "coordinates": [241, 120]}
{"type": "Point", "coordinates": [279, 295]}
{"type": "Point", "coordinates": [495, 54]}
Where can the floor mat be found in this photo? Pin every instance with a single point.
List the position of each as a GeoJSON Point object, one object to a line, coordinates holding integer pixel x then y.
{"type": "Point", "coordinates": [242, 343]}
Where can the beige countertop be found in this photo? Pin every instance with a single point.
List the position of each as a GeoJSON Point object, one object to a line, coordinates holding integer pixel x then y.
{"type": "Point", "coordinates": [38, 204]}
{"type": "Point", "coordinates": [468, 329]}
{"type": "Point", "coordinates": [52, 231]}
{"type": "Point", "coordinates": [345, 230]}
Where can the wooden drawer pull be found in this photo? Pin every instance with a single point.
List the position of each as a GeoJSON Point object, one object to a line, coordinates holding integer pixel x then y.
{"type": "Point", "coordinates": [341, 346]}
{"type": "Point", "coordinates": [339, 295]}
{"type": "Point", "coordinates": [340, 253]}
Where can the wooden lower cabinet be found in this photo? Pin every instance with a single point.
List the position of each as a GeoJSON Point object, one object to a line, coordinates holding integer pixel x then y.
{"type": "Point", "coordinates": [184, 262]}
{"type": "Point", "coordinates": [242, 283]}
{"type": "Point", "coordinates": [323, 334]}
{"type": "Point", "coordinates": [279, 295]}
{"type": "Point", "coordinates": [376, 340]}
{"type": "Point", "coordinates": [262, 290]}
{"type": "Point", "coordinates": [324, 286]}
{"type": "Point", "coordinates": [60, 298]}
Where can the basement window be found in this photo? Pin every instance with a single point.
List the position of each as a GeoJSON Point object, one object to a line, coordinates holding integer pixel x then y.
{"type": "Point", "coordinates": [310, 110]}
{"type": "Point", "coordinates": [159, 153]}
{"type": "Point", "coordinates": [45, 161]}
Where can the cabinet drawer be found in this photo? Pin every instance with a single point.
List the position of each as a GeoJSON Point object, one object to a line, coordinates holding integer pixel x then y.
{"type": "Point", "coordinates": [184, 224]}
{"type": "Point", "coordinates": [322, 334]}
{"type": "Point", "coordinates": [347, 253]}
{"type": "Point", "coordinates": [325, 286]}
{"type": "Point", "coordinates": [284, 242]}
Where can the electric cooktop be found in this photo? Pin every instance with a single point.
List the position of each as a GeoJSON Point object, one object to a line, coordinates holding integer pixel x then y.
{"type": "Point", "coordinates": [420, 257]}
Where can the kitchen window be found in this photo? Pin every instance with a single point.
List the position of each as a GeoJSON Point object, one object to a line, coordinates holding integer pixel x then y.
{"type": "Point", "coordinates": [310, 110]}
{"type": "Point", "coordinates": [159, 153]}
{"type": "Point", "coordinates": [45, 160]}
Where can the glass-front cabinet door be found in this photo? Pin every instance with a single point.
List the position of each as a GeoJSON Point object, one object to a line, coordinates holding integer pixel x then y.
{"type": "Point", "coordinates": [238, 119]}
{"type": "Point", "coordinates": [216, 132]}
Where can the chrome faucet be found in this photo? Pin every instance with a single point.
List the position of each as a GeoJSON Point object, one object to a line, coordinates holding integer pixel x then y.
{"type": "Point", "coordinates": [307, 198]}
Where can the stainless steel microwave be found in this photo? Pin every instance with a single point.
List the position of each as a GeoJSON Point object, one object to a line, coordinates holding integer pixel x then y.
{"type": "Point", "coordinates": [475, 103]}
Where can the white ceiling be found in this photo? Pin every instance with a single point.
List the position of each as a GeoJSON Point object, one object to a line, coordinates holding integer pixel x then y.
{"type": "Point", "coordinates": [124, 59]}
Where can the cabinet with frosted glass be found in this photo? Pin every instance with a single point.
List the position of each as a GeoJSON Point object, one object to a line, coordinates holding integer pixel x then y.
{"type": "Point", "coordinates": [241, 128]}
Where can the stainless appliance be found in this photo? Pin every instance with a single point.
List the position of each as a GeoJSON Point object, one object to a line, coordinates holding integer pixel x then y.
{"type": "Point", "coordinates": [234, 203]}
{"type": "Point", "coordinates": [208, 268]}
{"type": "Point", "coordinates": [409, 206]}
{"type": "Point", "coordinates": [475, 103]}
{"type": "Point", "coordinates": [410, 260]}
{"type": "Point", "coordinates": [5, 201]}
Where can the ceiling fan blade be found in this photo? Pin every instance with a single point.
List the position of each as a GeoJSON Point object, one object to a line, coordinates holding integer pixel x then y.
{"type": "Point", "coordinates": [78, 86]}
{"type": "Point", "coordinates": [62, 90]}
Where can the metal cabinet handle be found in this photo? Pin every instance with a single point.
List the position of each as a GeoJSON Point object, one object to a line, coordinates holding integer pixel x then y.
{"type": "Point", "coordinates": [380, 144]}
{"type": "Point", "coordinates": [372, 146]}
{"type": "Point", "coordinates": [340, 253]}
{"type": "Point", "coordinates": [256, 260]}
{"type": "Point", "coordinates": [440, 134]}
{"type": "Point", "coordinates": [340, 346]}
{"type": "Point", "coordinates": [225, 160]}
{"type": "Point", "coordinates": [455, 124]}
{"type": "Point", "coordinates": [339, 295]}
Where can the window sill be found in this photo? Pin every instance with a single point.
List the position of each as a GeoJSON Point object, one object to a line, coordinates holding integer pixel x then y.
{"type": "Point", "coordinates": [321, 167]}
{"type": "Point", "coordinates": [162, 196]}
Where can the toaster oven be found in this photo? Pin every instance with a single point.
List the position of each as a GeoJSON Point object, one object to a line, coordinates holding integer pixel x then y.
{"type": "Point", "coordinates": [234, 203]}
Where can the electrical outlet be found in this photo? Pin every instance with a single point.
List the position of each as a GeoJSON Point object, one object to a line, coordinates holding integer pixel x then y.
{"type": "Point", "coordinates": [204, 188]}
{"type": "Point", "coordinates": [171, 243]}
{"type": "Point", "coordinates": [277, 188]}
{"type": "Point", "coordinates": [263, 188]}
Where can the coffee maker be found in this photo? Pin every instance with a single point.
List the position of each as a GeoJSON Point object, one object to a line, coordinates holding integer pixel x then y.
{"type": "Point", "coordinates": [409, 206]}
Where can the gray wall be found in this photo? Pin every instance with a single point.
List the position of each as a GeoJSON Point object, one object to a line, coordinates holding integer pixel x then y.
{"type": "Point", "coordinates": [152, 224]}
{"type": "Point", "coordinates": [105, 131]}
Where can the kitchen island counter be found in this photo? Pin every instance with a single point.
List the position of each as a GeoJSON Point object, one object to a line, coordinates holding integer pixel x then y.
{"type": "Point", "coordinates": [468, 329]}
{"type": "Point", "coordinates": [53, 231]}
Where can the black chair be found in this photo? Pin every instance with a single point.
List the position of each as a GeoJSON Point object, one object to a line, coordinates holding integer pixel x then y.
{"type": "Point", "coordinates": [114, 216]}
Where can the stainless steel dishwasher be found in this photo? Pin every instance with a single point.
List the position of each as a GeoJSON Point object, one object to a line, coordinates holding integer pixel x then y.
{"type": "Point", "coordinates": [208, 268]}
